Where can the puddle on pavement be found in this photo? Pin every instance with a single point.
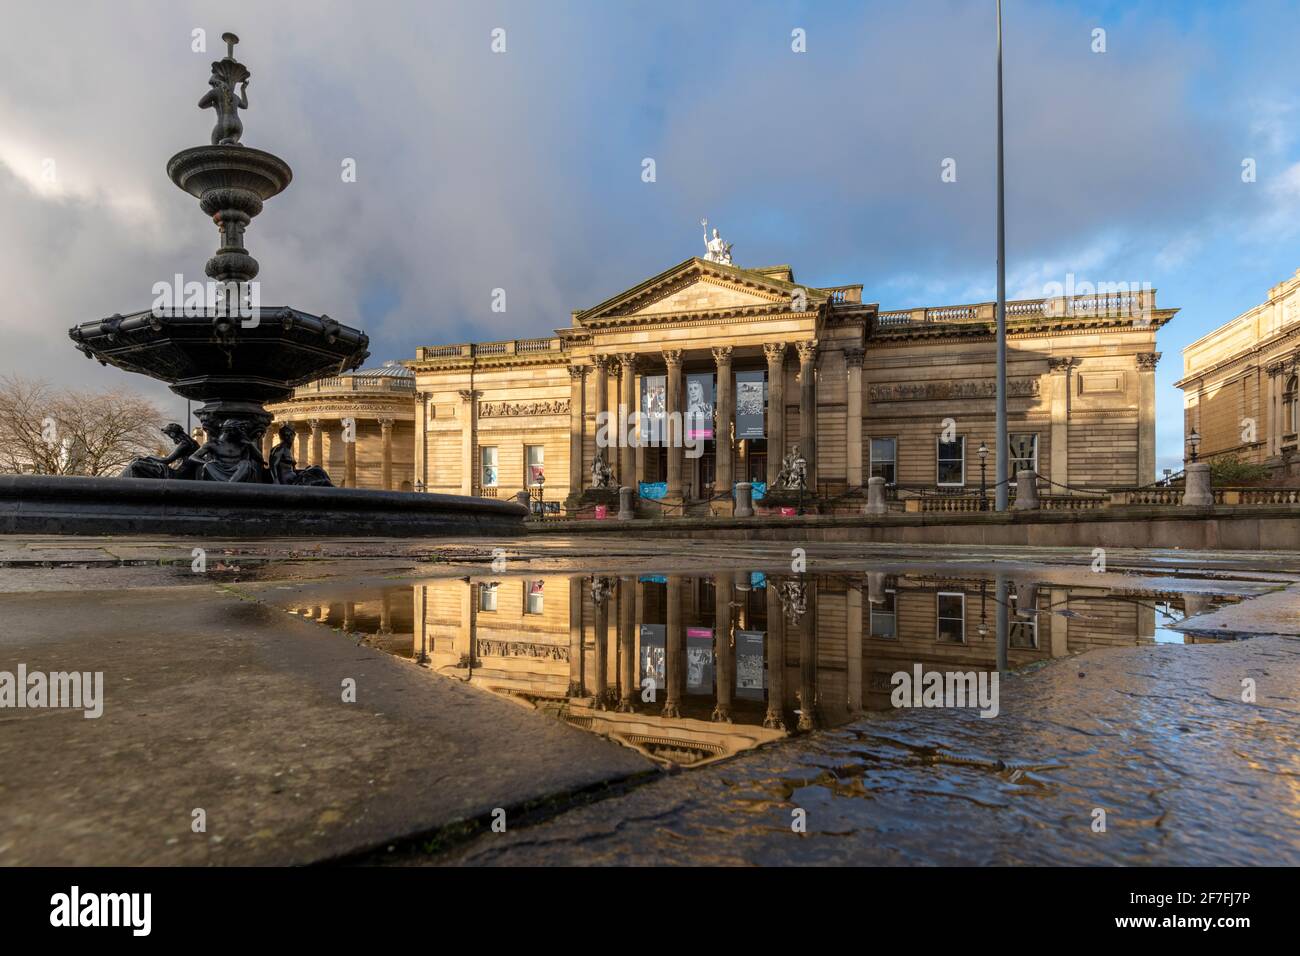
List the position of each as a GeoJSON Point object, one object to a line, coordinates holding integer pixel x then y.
{"type": "Point", "coordinates": [641, 659]}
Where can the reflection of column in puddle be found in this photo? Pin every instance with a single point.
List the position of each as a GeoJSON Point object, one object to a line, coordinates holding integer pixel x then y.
{"type": "Point", "coordinates": [673, 648]}
{"type": "Point", "coordinates": [802, 614]}
{"type": "Point", "coordinates": [1060, 623]}
{"type": "Point", "coordinates": [600, 636]}
{"type": "Point", "coordinates": [386, 613]}
{"type": "Point", "coordinates": [853, 648]}
{"type": "Point", "coordinates": [627, 645]}
{"type": "Point", "coordinates": [1146, 622]}
{"type": "Point", "coordinates": [463, 643]}
{"type": "Point", "coordinates": [419, 614]}
{"type": "Point", "coordinates": [349, 616]}
{"type": "Point", "coordinates": [775, 716]}
{"type": "Point", "coordinates": [723, 666]}
{"type": "Point", "coordinates": [575, 637]}
{"type": "Point", "coordinates": [1003, 597]}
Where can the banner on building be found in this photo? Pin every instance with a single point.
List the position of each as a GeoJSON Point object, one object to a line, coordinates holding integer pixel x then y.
{"type": "Point", "coordinates": [699, 405]}
{"type": "Point", "coordinates": [750, 679]}
{"type": "Point", "coordinates": [699, 660]}
{"type": "Point", "coordinates": [654, 404]}
{"type": "Point", "coordinates": [751, 392]}
{"type": "Point", "coordinates": [653, 659]}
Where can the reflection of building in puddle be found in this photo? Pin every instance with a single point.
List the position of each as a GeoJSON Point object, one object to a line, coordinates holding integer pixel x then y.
{"type": "Point", "coordinates": [692, 668]}
{"type": "Point", "coordinates": [382, 614]}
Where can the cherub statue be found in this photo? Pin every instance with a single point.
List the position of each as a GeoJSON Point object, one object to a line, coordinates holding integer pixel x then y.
{"type": "Point", "coordinates": [601, 474]}
{"type": "Point", "coordinates": [283, 471]}
{"type": "Point", "coordinates": [156, 466]}
{"type": "Point", "coordinates": [232, 456]}
{"type": "Point", "coordinates": [227, 73]}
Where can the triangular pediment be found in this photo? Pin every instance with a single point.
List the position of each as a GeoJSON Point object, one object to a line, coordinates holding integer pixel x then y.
{"type": "Point", "coordinates": [698, 287]}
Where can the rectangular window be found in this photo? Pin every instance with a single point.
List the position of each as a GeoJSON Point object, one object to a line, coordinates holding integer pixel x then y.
{"type": "Point", "coordinates": [488, 466]}
{"type": "Point", "coordinates": [951, 611]}
{"type": "Point", "coordinates": [1024, 454]}
{"type": "Point", "coordinates": [883, 619]}
{"type": "Point", "coordinates": [884, 454]}
{"type": "Point", "coordinates": [951, 457]}
{"type": "Point", "coordinates": [535, 459]}
{"type": "Point", "coordinates": [487, 596]}
{"type": "Point", "coordinates": [533, 595]}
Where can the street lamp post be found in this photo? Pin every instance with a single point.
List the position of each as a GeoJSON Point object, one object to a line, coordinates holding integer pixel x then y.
{"type": "Point", "coordinates": [1193, 440]}
{"type": "Point", "coordinates": [984, 454]}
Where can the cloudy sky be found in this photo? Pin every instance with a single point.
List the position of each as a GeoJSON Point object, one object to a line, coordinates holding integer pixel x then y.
{"type": "Point", "coordinates": [523, 170]}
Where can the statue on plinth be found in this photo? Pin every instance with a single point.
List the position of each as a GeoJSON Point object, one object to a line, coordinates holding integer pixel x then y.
{"type": "Point", "coordinates": [602, 476]}
{"type": "Point", "coordinates": [794, 470]}
{"type": "Point", "coordinates": [156, 466]}
{"type": "Point", "coordinates": [716, 249]}
{"type": "Point", "coordinates": [283, 471]}
{"type": "Point", "coordinates": [227, 73]}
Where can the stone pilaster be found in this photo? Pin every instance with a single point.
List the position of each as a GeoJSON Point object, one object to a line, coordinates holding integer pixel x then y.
{"type": "Point", "coordinates": [853, 409]}
{"type": "Point", "coordinates": [600, 380]}
{"type": "Point", "coordinates": [1146, 463]}
{"type": "Point", "coordinates": [468, 426]}
{"type": "Point", "coordinates": [421, 440]}
{"type": "Point", "coordinates": [775, 354]}
{"type": "Point", "coordinates": [673, 359]}
{"type": "Point", "coordinates": [1059, 372]}
{"type": "Point", "coordinates": [808, 408]}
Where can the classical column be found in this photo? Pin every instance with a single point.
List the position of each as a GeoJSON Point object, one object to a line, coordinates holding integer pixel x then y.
{"type": "Point", "coordinates": [576, 373]}
{"type": "Point", "coordinates": [853, 613]}
{"type": "Point", "coordinates": [775, 353]}
{"type": "Point", "coordinates": [627, 646]}
{"type": "Point", "coordinates": [468, 424]}
{"type": "Point", "coordinates": [317, 443]}
{"type": "Point", "coordinates": [724, 668]}
{"type": "Point", "coordinates": [386, 469]}
{"type": "Point", "coordinates": [627, 399]}
{"type": "Point", "coordinates": [575, 637]}
{"type": "Point", "coordinates": [1146, 362]}
{"type": "Point", "coordinates": [1275, 411]}
{"type": "Point", "coordinates": [853, 401]}
{"type": "Point", "coordinates": [673, 648]}
{"type": "Point", "coordinates": [350, 455]}
{"type": "Point", "coordinates": [303, 453]}
{"type": "Point", "coordinates": [268, 439]}
{"type": "Point", "coordinates": [808, 407]}
{"type": "Point", "coordinates": [1059, 372]}
{"type": "Point", "coordinates": [724, 477]}
{"type": "Point", "coordinates": [775, 717]}
{"type": "Point", "coordinates": [600, 378]}
{"type": "Point", "coordinates": [385, 614]}
{"type": "Point", "coordinates": [673, 359]}
{"type": "Point", "coordinates": [600, 635]}
{"type": "Point", "coordinates": [421, 440]}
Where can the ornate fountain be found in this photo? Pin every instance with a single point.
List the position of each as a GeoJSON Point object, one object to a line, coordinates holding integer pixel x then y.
{"type": "Point", "coordinates": [233, 354]}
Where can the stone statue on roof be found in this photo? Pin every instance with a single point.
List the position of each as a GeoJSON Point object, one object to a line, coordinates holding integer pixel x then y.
{"type": "Point", "coordinates": [717, 249]}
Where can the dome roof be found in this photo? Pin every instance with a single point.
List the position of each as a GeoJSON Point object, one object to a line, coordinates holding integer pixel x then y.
{"type": "Point", "coordinates": [387, 370]}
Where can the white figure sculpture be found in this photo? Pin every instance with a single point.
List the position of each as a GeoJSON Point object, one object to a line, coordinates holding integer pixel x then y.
{"type": "Point", "coordinates": [717, 249]}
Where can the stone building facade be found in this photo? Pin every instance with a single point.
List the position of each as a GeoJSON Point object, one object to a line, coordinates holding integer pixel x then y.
{"type": "Point", "coordinates": [767, 364]}
{"type": "Point", "coordinates": [380, 404]}
{"type": "Point", "coordinates": [1241, 384]}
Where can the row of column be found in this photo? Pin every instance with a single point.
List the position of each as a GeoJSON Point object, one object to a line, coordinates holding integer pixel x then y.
{"type": "Point", "coordinates": [311, 448]}
{"type": "Point", "coordinates": [790, 603]}
{"type": "Point", "coordinates": [1280, 418]}
{"type": "Point", "coordinates": [625, 460]}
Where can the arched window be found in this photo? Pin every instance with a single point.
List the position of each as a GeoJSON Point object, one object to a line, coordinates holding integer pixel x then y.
{"type": "Point", "coordinates": [1291, 411]}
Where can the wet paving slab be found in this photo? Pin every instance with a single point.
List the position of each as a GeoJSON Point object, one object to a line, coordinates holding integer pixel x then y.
{"type": "Point", "coordinates": [708, 692]}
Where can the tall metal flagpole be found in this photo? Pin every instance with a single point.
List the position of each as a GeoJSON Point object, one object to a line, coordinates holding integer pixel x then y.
{"type": "Point", "coordinates": [1003, 449]}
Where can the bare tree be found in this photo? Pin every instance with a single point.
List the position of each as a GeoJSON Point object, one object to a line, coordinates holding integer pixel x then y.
{"type": "Point", "coordinates": [49, 431]}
